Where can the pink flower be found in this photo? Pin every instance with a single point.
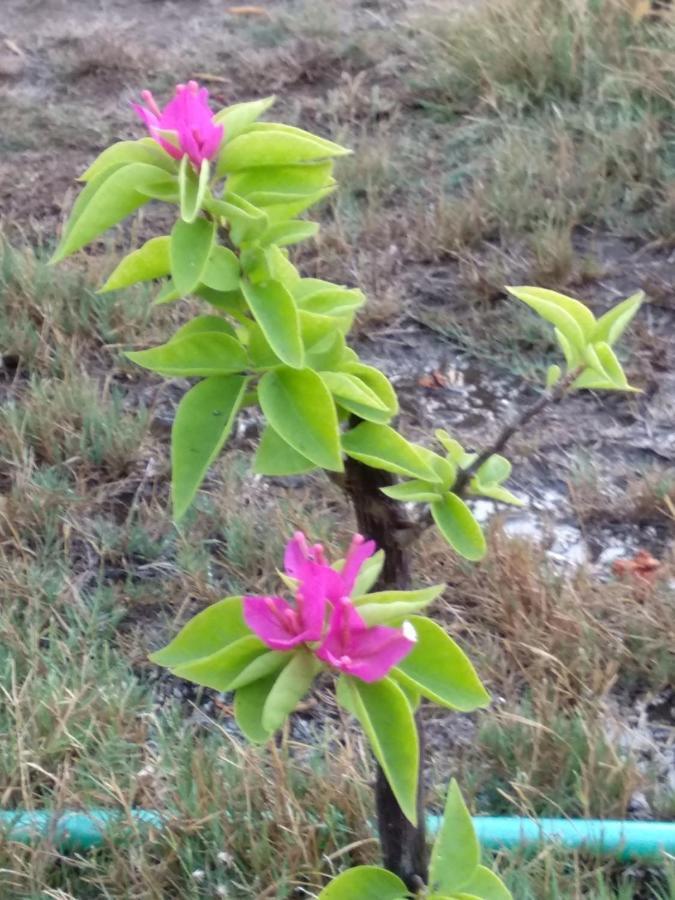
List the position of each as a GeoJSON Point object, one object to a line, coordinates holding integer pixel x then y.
{"type": "Point", "coordinates": [282, 626]}
{"type": "Point", "coordinates": [366, 653]}
{"type": "Point", "coordinates": [185, 126]}
{"type": "Point", "coordinates": [301, 561]}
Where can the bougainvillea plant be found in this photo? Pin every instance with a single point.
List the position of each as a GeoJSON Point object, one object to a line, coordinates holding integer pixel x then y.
{"type": "Point", "coordinates": [277, 341]}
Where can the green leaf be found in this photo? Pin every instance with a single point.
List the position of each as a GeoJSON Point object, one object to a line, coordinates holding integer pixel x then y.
{"type": "Point", "coordinates": [190, 248]}
{"type": "Point", "coordinates": [456, 523]}
{"type": "Point", "coordinates": [553, 374]}
{"type": "Point", "coordinates": [456, 453]}
{"type": "Point", "coordinates": [387, 720]}
{"type": "Point", "coordinates": [326, 299]}
{"type": "Point", "coordinates": [365, 883]}
{"type": "Point", "coordinates": [415, 491]}
{"type": "Point", "coordinates": [377, 382]}
{"type": "Point", "coordinates": [381, 447]}
{"type": "Point", "coordinates": [280, 267]}
{"type": "Point", "coordinates": [456, 852]}
{"type": "Point", "coordinates": [487, 886]}
{"type": "Point", "coordinates": [389, 606]}
{"type": "Point", "coordinates": [495, 492]}
{"type": "Point", "coordinates": [612, 325]}
{"type": "Point", "coordinates": [300, 409]}
{"type": "Point", "coordinates": [238, 117]}
{"type": "Point", "coordinates": [261, 667]}
{"type": "Point", "coordinates": [574, 308]}
{"type": "Point", "coordinates": [440, 670]}
{"type": "Point", "coordinates": [348, 387]}
{"type": "Point", "coordinates": [292, 683]}
{"type": "Point", "coordinates": [611, 365]}
{"type": "Point", "coordinates": [284, 234]}
{"type": "Point", "coordinates": [570, 317]}
{"type": "Point", "coordinates": [274, 146]}
{"type": "Point", "coordinates": [203, 423]}
{"type": "Point", "coordinates": [323, 341]}
{"type": "Point", "coordinates": [275, 457]}
{"type": "Point", "coordinates": [368, 574]}
{"type": "Point", "coordinates": [573, 355]}
{"type": "Point", "coordinates": [221, 668]}
{"type": "Point", "coordinates": [222, 271]}
{"type": "Point", "coordinates": [246, 221]}
{"type": "Point", "coordinates": [200, 324]}
{"type": "Point", "coordinates": [215, 627]}
{"type": "Point", "coordinates": [148, 262]}
{"type": "Point", "coordinates": [192, 188]}
{"type": "Point", "coordinates": [280, 184]}
{"type": "Point", "coordinates": [105, 200]}
{"type": "Point", "coordinates": [249, 702]}
{"type": "Point", "coordinates": [494, 470]}
{"type": "Point", "coordinates": [274, 310]}
{"type": "Point", "coordinates": [199, 355]}
{"type": "Point", "coordinates": [146, 150]}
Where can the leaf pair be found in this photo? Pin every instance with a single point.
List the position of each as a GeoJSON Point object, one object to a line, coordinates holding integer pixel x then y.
{"type": "Point", "coordinates": [455, 872]}
{"type": "Point", "coordinates": [216, 649]}
{"type": "Point", "coordinates": [435, 668]}
{"type": "Point", "coordinates": [586, 342]}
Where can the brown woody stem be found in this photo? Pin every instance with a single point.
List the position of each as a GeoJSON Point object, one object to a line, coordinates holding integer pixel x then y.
{"type": "Point", "coordinates": [403, 845]}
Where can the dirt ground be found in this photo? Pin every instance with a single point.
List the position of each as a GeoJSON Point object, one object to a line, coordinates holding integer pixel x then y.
{"type": "Point", "coordinates": [597, 473]}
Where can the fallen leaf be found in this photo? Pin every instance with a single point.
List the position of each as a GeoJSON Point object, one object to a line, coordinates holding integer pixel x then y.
{"type": "Point", "coordinates": [248, 11]}
{"type": "Point", "coordinates": [642, 566]}
{"type": "Point", "coordinates": [433, 380]}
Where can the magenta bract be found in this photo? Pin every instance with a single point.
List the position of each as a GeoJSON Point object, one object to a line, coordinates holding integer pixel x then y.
{"type": "Point", "coordinates": [324, 618]}
{"type": "Point", "coordinates": [185, 126]}
{"type": "Point", "coordinates": [367, 653]}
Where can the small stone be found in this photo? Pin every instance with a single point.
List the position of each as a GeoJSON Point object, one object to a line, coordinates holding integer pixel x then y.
{"type": "Point", "coordinates": [638, 806]}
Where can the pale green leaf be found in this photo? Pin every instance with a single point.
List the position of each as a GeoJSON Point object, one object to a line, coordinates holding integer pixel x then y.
{"type": "Point", "coordinates": [222, 271]}
{"type": "Point", "coordinates": [261, 667]}
{"type": "Point", "coordinates": [221, 668]}
{"type": "Point", "coordinates": [274, 457]}
{"type": "Point", "coordinates": [298, 406]}
{"type": "Point", "coordinates": [487, 886]}
{"type": "Point", "coordinates": [148, 262]}
{"type": "Point", "coordinates": [415, 491]}
{"type": "Point", "coordinates": [274, 310]}
{"type": "Point", "coordinates": [284, 234]}
{"type": "Point", "coordinates": [249, 702]}
{"type": "Point", "coordinates": [192, 188]}
{"type": "Point", "coordinates": [574, 308]}
{"type": "Point", "coordinates": [189, 250]}
{"type": "Point", "coordinates": [612, 325]}
{"type": "Point", "coordinates": [201, 324]}
{"type": "Point", "coordinates": [198, 355]}
{"type": "Point", "coordinates": [202, 424]}
{"type": "Point", "coordinates": [240, 116]}
{"type": "Point", "coordinates": [291, 685]}
{"type": "Point", "coordinates": [274, 146]}
{"type": "Point", "coordinates": [283, 182]}
{"type": "Point", "coordinates": [380, 447]}
{"type": "Point", "coordinates": [146, 150]}
{"type": "Point", "coordinates": [440, 670]}
{"type": "Point", "coordinates": [213, 628]}
{"type": "Point", "coordinates": [105, 200]}
{"type": "Point", "coordinates": [346, 387]}
{"type": "Point", "coordinates": [456, 852]}
{"type": "Point", "coordinates": [559, 311]}
{"type": "Point", "coordinates": [456, 523]}
{"type": "Point", "coordinates": [365, 883]}
{"type": "Point", "coordinates": [387, 720]}
{"type": "Point", "coordinates": [553, 374]}
{"type": "Point", "coordinates": [611, 365]}
{"type": "Point", "coordinates": [389, 606]}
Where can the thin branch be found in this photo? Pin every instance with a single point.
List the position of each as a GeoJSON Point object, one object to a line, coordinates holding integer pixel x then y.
{"type": "Point", "coordinates": [550, 397]}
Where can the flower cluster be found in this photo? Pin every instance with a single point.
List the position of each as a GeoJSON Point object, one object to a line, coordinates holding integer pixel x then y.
{"type": "Point", "coordinates": [185, 126]}
{"type": "Point", "coordinates": [323, 616]}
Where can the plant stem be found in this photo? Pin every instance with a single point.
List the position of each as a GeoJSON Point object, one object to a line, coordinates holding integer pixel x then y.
{"type": "Point", "coordinates": [403, 845]}
{"type": "Point", "coordinates": [549, 397]}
